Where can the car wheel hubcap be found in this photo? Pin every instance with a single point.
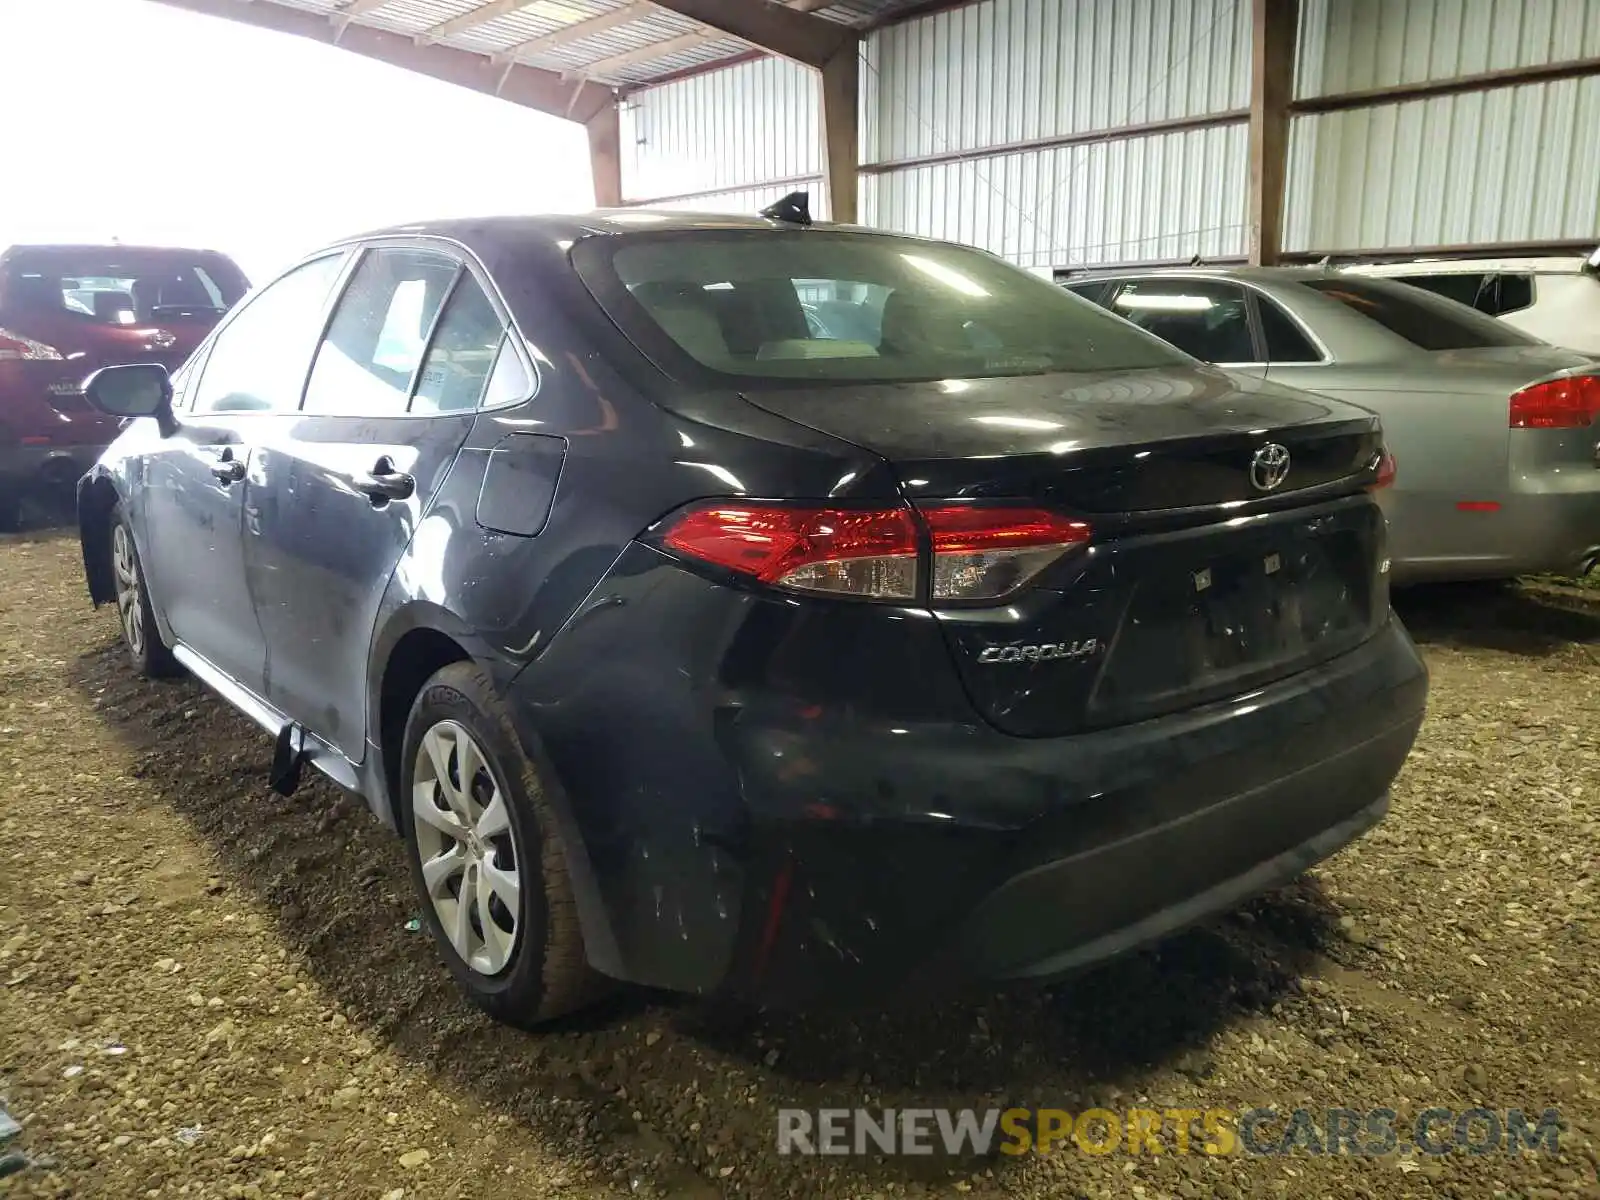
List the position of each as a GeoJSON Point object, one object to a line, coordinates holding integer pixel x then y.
{"type": "Point", "coordinates": [126, 568]}
{"type": "Point", "coordinates": [463, 835]}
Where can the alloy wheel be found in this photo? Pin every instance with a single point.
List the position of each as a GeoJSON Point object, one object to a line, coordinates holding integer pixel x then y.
{"type": "Point", "coordinates": [463, 840]}
{"type": "Point", "coordinates": [126, 568]}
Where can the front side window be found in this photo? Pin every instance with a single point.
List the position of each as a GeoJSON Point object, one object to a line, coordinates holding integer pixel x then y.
{"type": "Point", "coordinates": [1205, 318]}
{"type": "Point", "coordinates": [379, 332]}
{"type": "Point", "coordinates": [1427, 321]}
{"type": "Point", "coordinates": [767, 306]}
{"type": "Point", "coordinates": [258, 362]}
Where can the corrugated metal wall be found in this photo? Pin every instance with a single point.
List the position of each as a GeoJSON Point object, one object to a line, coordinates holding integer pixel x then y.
{"type": "Point", "coordinates": [1518, 164]}
{"type": "Point", "coordinates": [976, 81]}
{"type": "Point", "coordinates": [1513, 164]}
{"type": "Point", "coordinates": [716, 139]}
{"type": "Point", "coordinates": [1168, 196]}
{"type": "Point", "coordinates": [1354, 45]}
{"type": "Point", "coordinates": [997, 123]}
{"type": "Point", "coordinates": [1014, 70]}
{"type": "Point", "coordinates": [752, 199]}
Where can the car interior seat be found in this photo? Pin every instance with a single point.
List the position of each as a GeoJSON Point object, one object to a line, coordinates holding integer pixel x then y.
{"type": "Point", "coordinates": [109, 307]}
{"type": "Point", "coordinates": [918, 325]}
{"type": "Point", "coordinates": [687, 319]}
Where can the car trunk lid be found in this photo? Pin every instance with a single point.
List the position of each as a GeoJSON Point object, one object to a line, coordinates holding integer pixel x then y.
{"type": "Point", "coordinates": [1207, 572]}
{"type": "Point", "coordinates": [1118, 443]}
{"type": "Point", "coordinates": [1539, 434]}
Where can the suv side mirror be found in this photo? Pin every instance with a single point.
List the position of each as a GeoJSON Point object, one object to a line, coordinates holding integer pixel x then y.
{"type": "Point", "coordinates": [134, 390]}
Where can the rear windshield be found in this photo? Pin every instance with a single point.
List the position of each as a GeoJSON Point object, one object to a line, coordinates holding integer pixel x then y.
{"type": "Point", "coordinates": [820, 306]}
{"type": "Point", "coordinates": [111, 289]}
{"type": "Point", "coordinates": [1427, 321]}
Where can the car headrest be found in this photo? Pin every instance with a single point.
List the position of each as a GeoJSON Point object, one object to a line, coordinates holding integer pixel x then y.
{"type": "Point", "coordinates": [108, 304]}
{"type": "Point", "coordinates": [695, 329]}
{"type": "Point", "coordinates": [914, 323]}
{"type": "Point", "coordinates": [683, 311]}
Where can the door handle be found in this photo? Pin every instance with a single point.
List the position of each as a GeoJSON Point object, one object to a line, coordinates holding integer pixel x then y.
{"type": "Point", "coordinates": [385, 483]}
{"type": "Point", "coordinates": [227, 468]}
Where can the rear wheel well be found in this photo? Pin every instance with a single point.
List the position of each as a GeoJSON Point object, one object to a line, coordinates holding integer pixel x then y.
{"type": "Point", "coordinates": [95, 503]}
{"type": "Point", "coordinates": [413, 661]}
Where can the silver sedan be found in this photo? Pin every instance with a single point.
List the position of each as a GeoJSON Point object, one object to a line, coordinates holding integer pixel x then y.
{"type": "Point", "coordinates": [1496, 434]}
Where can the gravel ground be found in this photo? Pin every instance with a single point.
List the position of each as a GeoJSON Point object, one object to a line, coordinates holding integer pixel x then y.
{"type": "Point", "coordinates": [208, 991]}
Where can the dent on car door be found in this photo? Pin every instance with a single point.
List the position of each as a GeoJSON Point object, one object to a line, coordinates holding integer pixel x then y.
{"type": "Point", "coordinates": [194, 487]}
{"type": "Point", "coordinates": [396, 381]}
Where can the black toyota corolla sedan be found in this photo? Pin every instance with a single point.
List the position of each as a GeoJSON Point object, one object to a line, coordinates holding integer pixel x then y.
{"type": "Point", "coordinates": [692, 639]}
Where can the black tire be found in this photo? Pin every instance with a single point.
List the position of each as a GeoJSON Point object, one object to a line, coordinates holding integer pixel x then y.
{"type": "Point", "coordinates": [10, 511]}
{"type": "Point", "coordinates": [547, 974]}
{"type": "Point", "coordinates": [141, 636]}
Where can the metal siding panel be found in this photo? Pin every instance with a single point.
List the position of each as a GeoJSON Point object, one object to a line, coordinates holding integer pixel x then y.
{"type": "Point", "coordinates": [1509, 165]}
{"type": "Point", "coordinates": [1119, 200]}
{"type": "Point", "coordinates": [1010, 70]}
{"type": "Point", "coordinates": [748, 200]}
{"type": "Point", "coordinates": [1354, 45]}
{"type": "Point", "coordinates": [725, 130]}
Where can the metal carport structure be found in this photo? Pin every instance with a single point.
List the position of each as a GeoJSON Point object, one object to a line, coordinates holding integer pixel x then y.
{"type": "Point", "coordinates": [1057, 133]}
{"type": "Point", "coordinates": [578, 59]}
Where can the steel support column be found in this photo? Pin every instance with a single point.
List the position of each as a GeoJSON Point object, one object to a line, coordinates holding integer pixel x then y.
{"type": "Point", "coordinates": [1274, 26]}
{"type": "Point", "coordinates": [605, 156]}
{"type": "Point", "coordinates": [841, 124]}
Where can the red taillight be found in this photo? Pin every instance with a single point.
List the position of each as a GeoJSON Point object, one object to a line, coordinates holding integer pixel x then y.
{"type": "Point", "coordinates": [986, 553]}
{"type": "Point", "coordinates": [1386, 469]}
{"type": "Point", "coordinates": [14, 345]}
{"type": "Point", "coordinates": [856, 552]}
{"type": "Point", "coordinates": [1557, 403]}
{"type": "Point", "coordinates": [978, 553]}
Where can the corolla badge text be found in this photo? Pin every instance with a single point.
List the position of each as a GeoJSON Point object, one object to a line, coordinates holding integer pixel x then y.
{"type": "Point", "coordinates": [1041, 651]}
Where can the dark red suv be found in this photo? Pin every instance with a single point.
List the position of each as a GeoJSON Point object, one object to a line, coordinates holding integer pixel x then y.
{"type": "Point", "coordinates": [66, 311]}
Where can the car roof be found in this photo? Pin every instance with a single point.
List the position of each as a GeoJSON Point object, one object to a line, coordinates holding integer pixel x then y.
{"type": "Point", "coordinates": [600, 222]}
{"type": "Point", "coordinates": [1543, 265]}
{"type": "Point", "coordinates": [1242, 273]}
{"type": "Point", "coordinates": [41, 250]}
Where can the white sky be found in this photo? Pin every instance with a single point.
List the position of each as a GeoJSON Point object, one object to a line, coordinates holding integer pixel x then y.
{"type": "Point", "coordinates": [130, 119]}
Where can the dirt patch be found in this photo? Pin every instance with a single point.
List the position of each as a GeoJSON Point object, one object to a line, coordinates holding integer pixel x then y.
{"type": "Point", "coordinates": [209, 991]}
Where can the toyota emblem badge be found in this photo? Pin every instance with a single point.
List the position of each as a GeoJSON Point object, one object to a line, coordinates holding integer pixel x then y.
{"type": "Point", "coordinates": [1270, 467]}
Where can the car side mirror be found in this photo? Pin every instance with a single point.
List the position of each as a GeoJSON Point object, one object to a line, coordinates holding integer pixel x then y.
{"type": "Point", "coordinates": [133, 390]}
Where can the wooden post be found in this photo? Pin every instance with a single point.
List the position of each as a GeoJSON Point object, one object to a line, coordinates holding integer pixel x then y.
{"type": "Point", "coordinates": [1274, 26]}
{"type": "Point", "coordinates": [605, 156]}
{"type": "Point", "coordinates": [841, 123]}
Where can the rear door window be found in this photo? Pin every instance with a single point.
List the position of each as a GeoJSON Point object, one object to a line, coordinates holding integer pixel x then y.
{"type": "Point", "coordinates": [1091, 289]}
{"type": "Point", "coordinates": [463, 354]}
{"type": "Point", "coordinates": [1427, 321]}
{"type": "Point", "coordinates": [1206, 318]}
{"type": "Point", "coordinates": [1286, 343]}
{"type": "Point", "coordinates": [369, 357]}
